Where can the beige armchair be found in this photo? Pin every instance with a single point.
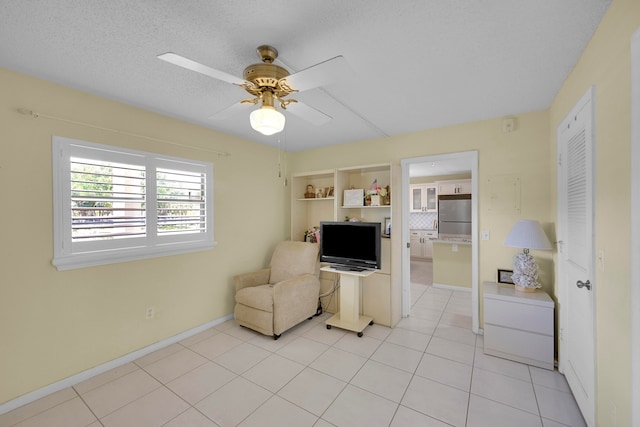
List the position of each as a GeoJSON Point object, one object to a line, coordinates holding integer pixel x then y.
{"type": "Point", "coordinates": [277, 298]}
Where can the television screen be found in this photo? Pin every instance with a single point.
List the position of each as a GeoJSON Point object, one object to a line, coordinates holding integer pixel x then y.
{"type": "Point", "coordinates": [350, 245]}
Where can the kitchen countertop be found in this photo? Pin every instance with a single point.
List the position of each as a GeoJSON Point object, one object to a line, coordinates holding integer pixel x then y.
{"type": "Point", "coordinates": [460, 240]}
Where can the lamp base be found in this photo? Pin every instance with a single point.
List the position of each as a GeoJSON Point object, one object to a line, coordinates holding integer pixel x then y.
{"type": "Point", "coordinates": [525, 272]}
{"type": "Point", "coordinates": [523, 289]}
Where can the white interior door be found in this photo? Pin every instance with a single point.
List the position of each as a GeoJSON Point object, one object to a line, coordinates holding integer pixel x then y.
{"type": "Point", "coordinates": [576, 260]}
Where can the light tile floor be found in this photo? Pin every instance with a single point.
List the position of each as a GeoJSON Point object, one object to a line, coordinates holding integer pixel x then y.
{"type": "Point", "coordinates": [428, 371]}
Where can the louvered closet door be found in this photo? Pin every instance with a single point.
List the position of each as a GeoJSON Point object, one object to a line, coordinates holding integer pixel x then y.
{"type": "Point", "coordinates": [576, 216]}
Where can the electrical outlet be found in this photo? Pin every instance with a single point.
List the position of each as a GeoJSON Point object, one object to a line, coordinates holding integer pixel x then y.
{"type": "Point", "coordinates": [150, 313]}
{"type": "Point", "coordinates": [485, 234]}
{"type": "Point", "coordinates": [454, 248]}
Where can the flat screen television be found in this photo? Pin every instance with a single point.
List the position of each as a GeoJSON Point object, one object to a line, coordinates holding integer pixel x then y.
{"type": "Point", "coordinates": [351, 246]}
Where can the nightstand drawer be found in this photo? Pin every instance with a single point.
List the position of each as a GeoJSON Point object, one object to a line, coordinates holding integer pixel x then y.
{"type": "Point", "coordinates": [525, 347]}
{"type": "Point", "coordinates": [516, 315]}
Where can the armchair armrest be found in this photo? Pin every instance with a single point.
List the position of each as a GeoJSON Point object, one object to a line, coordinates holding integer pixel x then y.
{"type": "Point", "coordinates": [255, 278]}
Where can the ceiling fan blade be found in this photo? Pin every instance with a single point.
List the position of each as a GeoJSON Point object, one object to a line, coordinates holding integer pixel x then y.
{"type": "Point", "coordinates": [317, 75]}
{"type": "Point", "coordinates": [189, 64]}
{"type": "Point", "coordinates": [230, 111]}
{"type": "Point", "coordinates": [307, 113]}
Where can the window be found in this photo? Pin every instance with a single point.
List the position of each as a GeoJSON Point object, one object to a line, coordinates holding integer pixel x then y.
{"type": "Point", "coordinates": [113, 204]}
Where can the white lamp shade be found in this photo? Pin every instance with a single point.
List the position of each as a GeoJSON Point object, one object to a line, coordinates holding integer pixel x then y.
{"type": "Point", "coordinates": [528, 234]}
{"type": "Point", "coordinates": [267, 120]}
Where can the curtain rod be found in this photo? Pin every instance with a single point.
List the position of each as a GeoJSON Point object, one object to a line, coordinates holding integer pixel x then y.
{"type": "Point", "coordinates": [35, 115]}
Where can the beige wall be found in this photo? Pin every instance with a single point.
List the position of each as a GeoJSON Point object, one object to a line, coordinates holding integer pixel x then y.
{"type": "Point", "coordinates": [606, 64]}
{"type": "Point", "coordinates": [523, 153]}
{"type": "Point", "coordinates": [54, 324]}
{"type": "Point", "coordinates": [452, 268]}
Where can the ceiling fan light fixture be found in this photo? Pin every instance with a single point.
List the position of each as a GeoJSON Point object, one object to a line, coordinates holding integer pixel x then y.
{"type": "Point", "coordinates": [267, 120]}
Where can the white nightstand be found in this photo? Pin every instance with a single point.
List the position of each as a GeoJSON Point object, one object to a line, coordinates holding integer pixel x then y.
{"type": "Point", "coordinates": [519, 325]}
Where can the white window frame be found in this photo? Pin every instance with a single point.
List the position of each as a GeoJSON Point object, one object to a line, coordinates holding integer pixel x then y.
{"type": "Point", "coordinates": [69, 255]}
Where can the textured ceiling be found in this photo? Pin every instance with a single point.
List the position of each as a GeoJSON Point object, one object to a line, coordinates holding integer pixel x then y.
{"type": "Point", "coordinates": [414, 65]}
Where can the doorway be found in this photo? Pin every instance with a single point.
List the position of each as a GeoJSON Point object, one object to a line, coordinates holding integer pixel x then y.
{"type": "Point", "coordinates": [464, 161]}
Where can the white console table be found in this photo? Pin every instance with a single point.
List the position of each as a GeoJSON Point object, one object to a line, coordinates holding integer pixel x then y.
{"type": "Point", "coordinates": [349, 317]}
{"type": "Point", "coordinates": [519, 325]}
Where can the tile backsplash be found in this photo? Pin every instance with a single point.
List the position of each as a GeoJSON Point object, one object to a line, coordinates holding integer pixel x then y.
{"type": "Point", "coordinates": [423, 220]}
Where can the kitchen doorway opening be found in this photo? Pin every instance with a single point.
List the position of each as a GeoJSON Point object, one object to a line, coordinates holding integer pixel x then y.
{"type": "Point", "coordinates": [453, 164]}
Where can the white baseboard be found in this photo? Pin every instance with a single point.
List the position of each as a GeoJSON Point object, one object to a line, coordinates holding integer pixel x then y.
{"type": "Point", "coordinates": [450, 287]}
{"type": "Point", "coordinates": [89, 373]}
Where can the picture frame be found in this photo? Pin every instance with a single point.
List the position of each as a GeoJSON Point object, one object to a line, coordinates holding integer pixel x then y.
{"type": "Point", "coordinates": [504, 276]}
{"type": "Point", "coordinates": [386, 227]}
{"type": "Point", "coordinates": [354, 197]}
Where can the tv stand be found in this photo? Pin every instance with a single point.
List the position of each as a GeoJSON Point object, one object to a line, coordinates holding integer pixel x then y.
{"type": "Point", "coordinates": [341, 267]}
{"type": "Point", "coordinates": [349, 317]}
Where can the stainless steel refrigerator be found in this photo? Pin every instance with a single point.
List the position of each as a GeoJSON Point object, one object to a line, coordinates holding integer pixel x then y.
{"type": "Point", "coordinates": [454, 215]}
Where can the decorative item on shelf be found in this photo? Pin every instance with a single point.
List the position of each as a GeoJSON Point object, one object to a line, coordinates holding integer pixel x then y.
{"type": "Point", "coordinates": [351, 219]}
{"type": "Point", "coordinates": [526, 234]}
{"type": "Point", "coordinates": [353, 197]}
{"type": "Point", "coordinates": [312, 235]}
{"type": "Point", "coordinates": [385, 193]}
{"type": "Point", "coordinates": [320, 193]}
{"type": "Point", "coordinates": [310, 194]}
{"type": "Point", "coordinates": [329, 191]}
{"type": "Point", "coordinates": [386, 230]}
{"type": "Point", "coordinates": [377, 196]}
{"type": "Point", "coordinates": [504, 276]}
{"type": "Point", "coordinates": [373, 198]}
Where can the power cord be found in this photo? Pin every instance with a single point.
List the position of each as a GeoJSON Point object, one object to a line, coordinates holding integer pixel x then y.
{"type": "Point", "coordinates": [330, 293]}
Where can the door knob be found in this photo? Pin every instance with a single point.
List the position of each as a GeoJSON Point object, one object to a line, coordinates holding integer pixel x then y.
{"type": "Point", "coordinates": [582, 284]}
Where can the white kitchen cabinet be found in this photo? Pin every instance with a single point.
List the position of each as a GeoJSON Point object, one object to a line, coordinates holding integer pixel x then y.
{"type": "Point", "coordinates": [456, 186]}
{"type": "Point", "coordinates": [421, 243]}
{"type": "Point", "coordinates": [519, 325]}
{"type": "Point", "coordinates": [415, 244]}
{"type": "Point", "coordinates": [427, 248]}
{"type": "Point", "coordinates": [423, 198]}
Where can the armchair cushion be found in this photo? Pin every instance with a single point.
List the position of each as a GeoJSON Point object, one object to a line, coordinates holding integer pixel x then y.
{"type": "Point", "coordinates": [291, 259]}
{"type": "Point", "coordinates": [260, 297]}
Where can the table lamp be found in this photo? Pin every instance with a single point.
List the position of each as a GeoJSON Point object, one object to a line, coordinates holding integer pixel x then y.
{"type": "Point", "coordinates": [526, 234]}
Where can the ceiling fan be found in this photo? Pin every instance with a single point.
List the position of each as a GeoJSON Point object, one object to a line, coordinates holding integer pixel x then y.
{"type": "Point", "coordinates": [269, 84]}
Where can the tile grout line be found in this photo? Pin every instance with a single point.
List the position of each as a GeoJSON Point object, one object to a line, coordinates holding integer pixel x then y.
{"type": "Point", "coordinates": [473, 367]}
{"type": "Point", "coordinates": [87, 405]}
{"type": "Point", "coordinates": [535, 395]}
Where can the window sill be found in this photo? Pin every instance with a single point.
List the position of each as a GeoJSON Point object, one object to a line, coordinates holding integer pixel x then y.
{"type": "Point", "coordinates": [92, 259]}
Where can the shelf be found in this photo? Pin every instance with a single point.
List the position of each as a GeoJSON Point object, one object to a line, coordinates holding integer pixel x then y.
{"type": "Point", "coordinates": [380, 296]}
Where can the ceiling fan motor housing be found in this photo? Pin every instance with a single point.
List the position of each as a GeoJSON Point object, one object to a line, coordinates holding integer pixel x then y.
{"type": "Point", "coordinates": [266, 76]}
